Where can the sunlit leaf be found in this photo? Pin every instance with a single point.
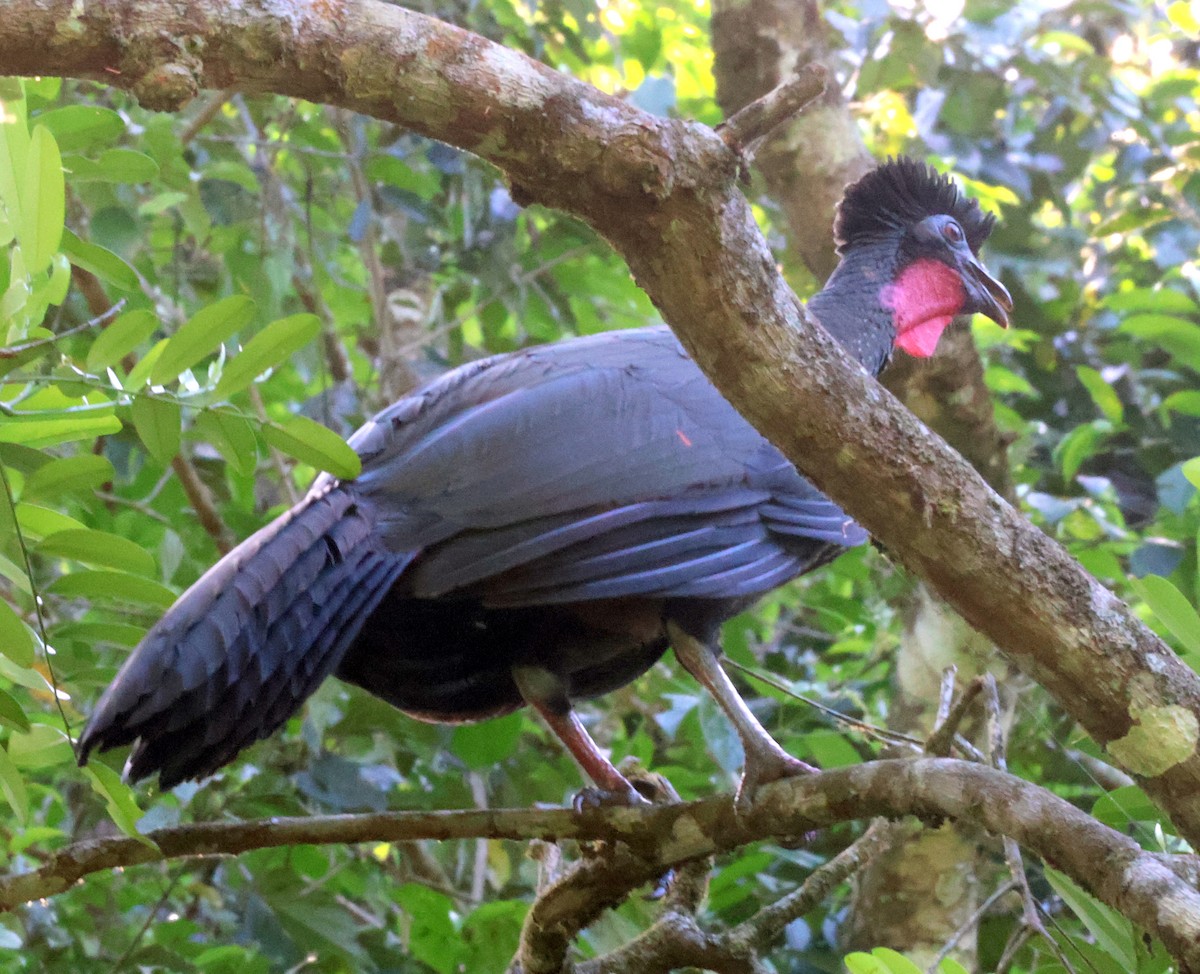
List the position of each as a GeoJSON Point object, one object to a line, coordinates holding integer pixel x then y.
{"type": "Point", "coordinates": [118, 796]}
{"type": "Point", "coordinates": [274, 344]}
{"type": "Point", "coordinates": [97, 260]}
{"type": "Point", "coordinates": [111, 586]}
{"type": "Point", "coordinates": [42, 432]}
{"type": "Point", "coordinates": [1172, 609]}
{"type": "Point", "coordinates": [44, 205]}
{"type": "Point", "coordinates": [42, 747]}
{"type": "Point", "coordinates": [1103, 395]}
{"type": "Point", "coordinates": [314, 444]}
{"type": "Point", "coordinates": [100, 548]}
{"type": "Point", "coordinates": [202, 335]}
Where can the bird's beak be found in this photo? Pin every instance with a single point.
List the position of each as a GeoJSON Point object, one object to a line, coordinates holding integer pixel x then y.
{"type": "Point", "coordinates": [985, 294]}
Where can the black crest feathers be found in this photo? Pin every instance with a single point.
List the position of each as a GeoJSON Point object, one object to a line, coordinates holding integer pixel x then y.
{"type": "Point", "coordinates": [900, 193]}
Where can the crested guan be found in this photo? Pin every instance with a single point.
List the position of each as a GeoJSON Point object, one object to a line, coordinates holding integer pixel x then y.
{"type": "Point", "coordinates": [538, 527]}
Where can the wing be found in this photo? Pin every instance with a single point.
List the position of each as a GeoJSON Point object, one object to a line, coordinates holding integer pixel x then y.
{"type": "Point", "coordinates": [596, 468]}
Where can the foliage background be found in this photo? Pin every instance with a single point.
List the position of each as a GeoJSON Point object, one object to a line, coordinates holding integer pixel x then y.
{"type": "Point", "coordinates": [342, 261]}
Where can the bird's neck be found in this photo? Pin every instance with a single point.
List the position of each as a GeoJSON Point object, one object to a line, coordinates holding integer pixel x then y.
{"type": "Point", "coordinates": [850, 306]}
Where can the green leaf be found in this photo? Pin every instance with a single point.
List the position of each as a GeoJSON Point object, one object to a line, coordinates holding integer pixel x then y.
{"type": "Point", "coordinates": [1178, 336]}
{"type": "Point", "coordinates": [433, 939]}
{"type": "Point", "coordinates": [107, 586]}
{"type": "Point", "coordinates": [39, 522]}
{"type": "Point", "coordinates": [486, 744]}
{"type": "Point", "coordinates": [1112, 931]}
{"type": "Point", "coordinates": [42, 747]}
{"type": "Point", "coordinates": [1163, 300]}
{"type": "Point", "coordinates": [1081, 443]}
{"type": "Point", "coordinates": [118, 796]}
{"type": "Point", "coordinates": [1103, 395]}
{"type": "Point", "coordinates": [113, 166]}
{"type": "Point", "coordinates": [51, 432]}
{"type": "Point", "coordinates": [120, 338]}
{"type": "Point", "coordinates": [12, 714]}
{"type": "Point", "coordinates": [201, 336]}
{"type": "Point", "coordinates": [315, 444]}
{"type": "Point", "coordinates": [274, 344]}
{"type": "Point", "coordinates": [99, 548]}
{"type": "Point", "coordinates": [158, 424]}
{"type": "Point", "coordinates": [232, 436]}
{"type": "Point", "coordinates": [14, 155]}
{"type": "Point", "coordinates": [45, 204]}
{"type": "Point", "coordinates": [1172, 609]}
{"type": "Point", "coordinates": [1122, 807]}
{"type": "Point", "coordinates": [1191, 470]}
{"type": "Point", "coordinates": [951, 966]}
{"type": "Point", "coordinates": [16, 641]}
{"type": "Point", "coordinates": [87, 471]}
{"type": "Point", "coordinates": [78, 126]}
{"type": "Point", "coordinates": [860, 963]}
{"type": "Point", "coordinates": [13, 786]}
{"type": "Point", "coordinates": [97, 260]}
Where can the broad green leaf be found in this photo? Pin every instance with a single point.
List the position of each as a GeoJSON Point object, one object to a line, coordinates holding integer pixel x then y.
{"type": "Point", "coordinates": [1103, 395]}
{"type": "Point", "coordinates": [486, 744]}
{"type": "Point", "coordinates": [157, 422]}
{"type": "Point", "coordinates": [1172, 609]}
{"type": "Point", "coordinates": [139, 375]}
{"type": "Point", "coordinates": [22, 676]}
{"type": "Point", "coordinates": [118, 633]}
{"type": "Point", "coordinates": [1112, 931]}
{"type": "Point", "coordinates": [87, 471]}
{"type": "Point", "coordinates": [40, 522]}
{"type": "Point", "coordinates": [1191, 470]}
{"type": "Point", "coordinates": [433, 939]}
{"type": "Point", "coordinates": [274, 344]}
{"type": "Point", "coordinates": [14, 155]}
{"type": "Point", "coordinates": [77, 126]}
{"type": "Point", "coordinates": [1186, 402]}
{"type": "Point", "coordinates": [42, 747]}
{"type": "Point", "coordinates": [113, 166]}
{"type": "Point", "coordinates": [106, 265]}
{"type": "Point", "coordinates": [1123, 806]}
{"type": "Point", "coordinates": [860, 963]}
{"type": "Point", "coordinates": [951, 966]}
{"type": "Point", "coordinates": [99, 548]}
{"type": "Point", "coordinates": [120, 338]}
{"type": "Point", "coordinates": [118, 796]}
{"type": "Point", "coordinates": [16, 641]}
{"type": "Point", "coordinates": [1177, 335]}
{"type": "Point", "coordinates": [1162, 300]}
{"type": "Point", "coordinates": [201, 336]}
{"type": "Point", "coordinates": [42, 432]}
{"type": "Point", "coordinates": [44, 206]}
{"type": "Point", "coordinates": [1081, 443]}
{"type": "Point", "coordinates": [315, 444]}
{"type": "Point", "coordinates": [12, 714]}
{"type": "Point", "coordinates": [232, 436]}
{"type": "Point", "coordinates": [13, 786]}
{"type": "Point", "coordinates": [109, 586]}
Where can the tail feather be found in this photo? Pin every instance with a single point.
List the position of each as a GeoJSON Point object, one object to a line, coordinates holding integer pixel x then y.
{"type": "Point", "coordinates": [248, 643]}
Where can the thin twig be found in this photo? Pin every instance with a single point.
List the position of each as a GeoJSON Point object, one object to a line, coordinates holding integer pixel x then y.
{"type": "Point", "coordinates": [945, 731]}
{"type": "Point", "coordinates": [12, 351]}
{"type": "Point", "coordinates": [744, 130]}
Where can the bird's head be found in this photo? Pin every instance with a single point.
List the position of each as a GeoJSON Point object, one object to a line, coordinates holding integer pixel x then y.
{"type": "Point", "coordinates": [909, 242]}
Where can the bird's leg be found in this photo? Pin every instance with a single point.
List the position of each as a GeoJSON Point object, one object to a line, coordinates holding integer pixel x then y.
{"type": "Point", "coordinates": [765, 759]}
{"type": "Point", "coordinates": [545, 693]}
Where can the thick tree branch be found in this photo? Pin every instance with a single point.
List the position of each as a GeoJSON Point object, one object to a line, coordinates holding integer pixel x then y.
{"type": "Point", "coordinates": [664, 193]}
{"type": "Point", "coordinates": [1152, 890]}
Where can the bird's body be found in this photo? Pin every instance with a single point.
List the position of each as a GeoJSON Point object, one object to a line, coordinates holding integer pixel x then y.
{"type": "Point", "coordinates": [533, 528]}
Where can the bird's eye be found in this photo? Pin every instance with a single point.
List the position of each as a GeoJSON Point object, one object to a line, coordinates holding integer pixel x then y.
{"type": "Point", "coordinates": [952, 232]}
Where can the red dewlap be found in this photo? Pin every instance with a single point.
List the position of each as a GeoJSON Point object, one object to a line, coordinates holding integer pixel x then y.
{"type": "Point", "coordinates": [924, 299]}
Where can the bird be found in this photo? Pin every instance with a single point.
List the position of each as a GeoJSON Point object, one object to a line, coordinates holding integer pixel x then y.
{"type": "Point", "coordinates": [539, 527]}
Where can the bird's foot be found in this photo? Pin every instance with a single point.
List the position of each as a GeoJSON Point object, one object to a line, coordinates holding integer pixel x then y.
{"type": "Point", "coordinates": [590, 798]}
{"type": "Point", "coordinates": [763, 767]}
